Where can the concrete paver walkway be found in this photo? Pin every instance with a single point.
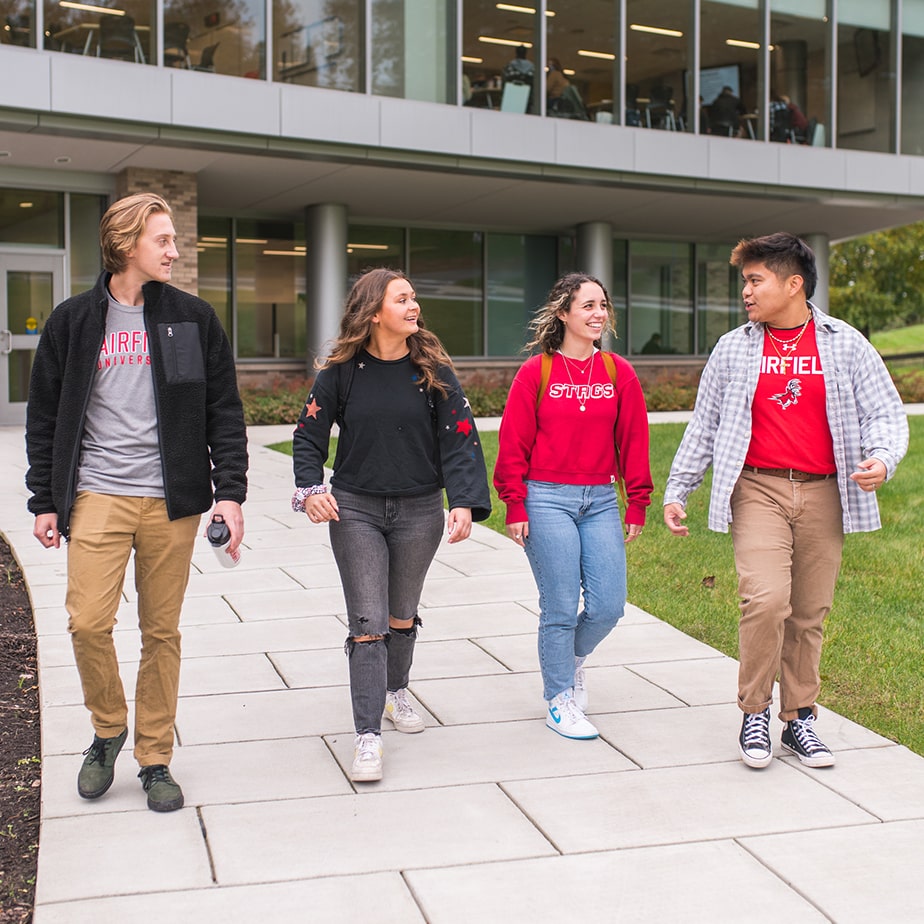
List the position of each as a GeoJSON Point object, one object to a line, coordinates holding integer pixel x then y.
{"type": "Point", "coordinates": [487, 816]}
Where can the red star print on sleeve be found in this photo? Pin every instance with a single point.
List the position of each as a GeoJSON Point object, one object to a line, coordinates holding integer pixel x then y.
{"type": "Point", "coordinates": [464, 427]}
{"type": "Point", "coordinates": [311, 410]}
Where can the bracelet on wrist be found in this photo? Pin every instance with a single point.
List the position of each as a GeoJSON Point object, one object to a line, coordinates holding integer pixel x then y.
{"type": "Point", "coordinates": [302, 494]}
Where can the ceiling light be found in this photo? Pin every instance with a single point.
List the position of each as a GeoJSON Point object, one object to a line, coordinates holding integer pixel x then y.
{"type": "Point", "coordinates": [90, 8]}
{"type": "Point", "coordinates": [284, 253]}
{"type": "Point", "coordinates": [656, 30]}
{"type": "Point", "coordinates": [26, 205]}
{"type": "Point", "coordinates": [739, 43]}
{"type": "Point", "coordinates": [568, 71]}
{"type": "Point", "coordinates": [367, 246]}
{"type": "Point", "coordinates": [250, 240]}
{"type": "Point", "coordinates": [596, 54]}
{"type": "Point", "coordinates": [62, 159]}
{"type": "Point", "coordinates": [499, 41]}
{"type": "Point", "coordinates": [512, 8]}
{"type": "Point", "coordinates": [469, 59]}
{"type": "Point", "coordinates": [213, 240]}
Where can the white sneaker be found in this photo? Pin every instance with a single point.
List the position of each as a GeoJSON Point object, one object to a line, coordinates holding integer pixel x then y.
{"type": "Point", "coordinates": [581, 699]}
{"type": "Point", "coordinates": [367, 758]}
{"type": "Point", "coordinates": [565, 718]}
{"type": "Point", "coordinates": [401, 714]}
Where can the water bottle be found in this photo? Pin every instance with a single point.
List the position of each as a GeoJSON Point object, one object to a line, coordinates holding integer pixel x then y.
{"type": "Point", "coordinates": [219, 536]}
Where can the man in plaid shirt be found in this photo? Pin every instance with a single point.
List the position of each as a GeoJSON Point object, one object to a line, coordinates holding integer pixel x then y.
{"type": "Point", "coordinates": [799, 418]}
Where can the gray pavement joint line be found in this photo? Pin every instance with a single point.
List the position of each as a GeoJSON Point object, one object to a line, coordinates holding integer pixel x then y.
{"type": "Point", "coordinates": [208, 846]}
{"type": "Point", "coordinates": [602, 736]}
{"type": "Point", "coordinates": [420, 905]}
{"type": "Point", "coordinates": [659, 686]}
{"type": "Point", "coordinates": [269, 657]}
{"type": "Point", "coordinates": [480, 647]}
{"type": "Point", "coordinates": [740, 842]}
{"type": "Point", "coordinates": [530, 819]}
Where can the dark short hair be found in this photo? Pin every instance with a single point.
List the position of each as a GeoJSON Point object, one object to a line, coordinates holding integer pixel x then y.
{"type": "Point", "coordinates": [782, 253]}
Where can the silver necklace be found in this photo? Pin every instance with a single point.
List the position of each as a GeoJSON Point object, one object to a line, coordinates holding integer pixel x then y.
{"type": "Point", "coordinates": [590, 369]}
{"type": "Point", "coordinates": [789, 345]}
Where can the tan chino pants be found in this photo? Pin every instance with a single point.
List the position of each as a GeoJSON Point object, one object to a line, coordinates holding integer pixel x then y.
{"type": "Point", "coordinates": [103, 531]}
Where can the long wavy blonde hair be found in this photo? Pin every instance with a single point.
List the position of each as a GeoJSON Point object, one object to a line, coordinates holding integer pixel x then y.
{"type": "Point", "coordinates": [549, 329]}
{"type": "Point", "coordinates": [362, 304]}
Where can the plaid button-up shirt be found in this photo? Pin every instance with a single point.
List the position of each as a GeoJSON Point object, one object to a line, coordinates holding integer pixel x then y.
{"type": "Point", "coordinates": [864, 411]}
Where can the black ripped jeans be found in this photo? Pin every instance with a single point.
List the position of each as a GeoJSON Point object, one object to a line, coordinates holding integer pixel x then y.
{"type": "Point", "coordinates": [383, 547]}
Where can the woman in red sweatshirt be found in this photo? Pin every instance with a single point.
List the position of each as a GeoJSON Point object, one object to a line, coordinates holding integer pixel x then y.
{"type": "Point", "coordinates": [575, 423]}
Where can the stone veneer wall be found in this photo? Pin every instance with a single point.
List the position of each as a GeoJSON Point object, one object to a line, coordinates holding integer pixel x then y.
{"type": "Point", "coordinates": [182, 195]}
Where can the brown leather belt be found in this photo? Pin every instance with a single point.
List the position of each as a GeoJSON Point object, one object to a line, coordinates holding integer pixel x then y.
{"type": "Point", "coordinates": [793, 474]}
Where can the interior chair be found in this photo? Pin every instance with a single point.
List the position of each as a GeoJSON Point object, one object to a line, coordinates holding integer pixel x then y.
{"type": "Point", "coordinates": [659, 113]}
{"type": "Point", "coordinates": [515, 97]}
{"type": "Point", "coordinates": [633, 113]}
{"type": "Point", "coordinates": [118, 39]}
{"type": "Point", "coordinates": [176, 50]}
{"type": "Point", "coordinates": [781, 130]}
{"type": "Point", "coordinates": [207, 59]}
{"type": "Point", "coordinates": [723, 116]}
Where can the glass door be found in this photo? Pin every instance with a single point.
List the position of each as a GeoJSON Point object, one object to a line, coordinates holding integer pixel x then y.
{"type": "Point", "coordinates": [30, 286]}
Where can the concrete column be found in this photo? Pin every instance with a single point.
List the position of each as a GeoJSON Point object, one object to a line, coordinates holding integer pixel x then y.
{"type": "Point", "coordinates": [326, 274]}
{"type": "Point", "coordinates": [182, 194]}
{"type": "Point", "coordinates": [594, 254]}
{"type": "Point", "coordinates": [821, 244]}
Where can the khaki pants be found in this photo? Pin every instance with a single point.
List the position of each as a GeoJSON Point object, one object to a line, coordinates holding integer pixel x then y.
{"type": "Point", "coordinates": [104, 529]}
{"type": "Point", "coordinates": [788, 537]}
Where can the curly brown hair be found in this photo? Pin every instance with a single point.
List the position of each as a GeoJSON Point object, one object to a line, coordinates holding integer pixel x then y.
{"type": "Point", "coordinates": [548, 328]}
{"type": "Point", "coordinates": [365, 301]}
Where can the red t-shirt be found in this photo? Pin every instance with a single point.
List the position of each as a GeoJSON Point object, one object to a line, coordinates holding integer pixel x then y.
{"type": "Point", "coordinates": [789, 425]}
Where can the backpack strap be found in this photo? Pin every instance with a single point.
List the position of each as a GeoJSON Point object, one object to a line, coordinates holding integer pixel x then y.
{"type": "Point", "coordinates": [343, 389]}
{"type": "Point", "coordinates": [545, 374]}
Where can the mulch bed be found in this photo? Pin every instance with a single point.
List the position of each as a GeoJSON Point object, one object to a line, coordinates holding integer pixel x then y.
{"type": "Point", "coordinates": [20, 746]}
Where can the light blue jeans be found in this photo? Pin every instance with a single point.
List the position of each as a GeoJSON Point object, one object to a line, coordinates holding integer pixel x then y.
{"type": "Point", "coordinates": [575, 543]}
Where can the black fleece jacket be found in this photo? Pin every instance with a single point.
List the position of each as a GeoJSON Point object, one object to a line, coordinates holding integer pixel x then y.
{"type": "Point", "coordinates": [200, 419]}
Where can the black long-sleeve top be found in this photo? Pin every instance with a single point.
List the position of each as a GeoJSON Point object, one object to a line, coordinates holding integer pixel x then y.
{"type": "Point", "coordinates": [396, 437]}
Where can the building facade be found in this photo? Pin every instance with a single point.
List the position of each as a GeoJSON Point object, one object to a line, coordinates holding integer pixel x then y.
{"type": "Point", "coordinates": [482, 147]}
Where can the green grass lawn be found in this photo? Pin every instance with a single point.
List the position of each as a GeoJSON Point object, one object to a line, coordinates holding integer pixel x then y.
{"type": "Point", "coordinates": [871, 665]}
{"type": "Point", "coordinates": [900, 340]}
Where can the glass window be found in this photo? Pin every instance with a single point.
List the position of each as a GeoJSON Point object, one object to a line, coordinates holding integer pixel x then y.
{"type": "Point", "coordinates": [18, 25]}
{"type": "Point", "coordinates": [912, 77]}
{"type": "Point", "coordinates": [30, 216]}
{"type": "Point", "coordinates": [222, 38]}
{"type": "Point", "coordinates": [269, 286]}
{"type": "Point", "coordinates": [799, 62]}
{"type": "Point", "coordinates": [214, 256]}
{"type": "Point", "coordinates": [319, 43]}
{"type": "Point", "coordinates": [729, 67]}
{"type": "Point", "coordinates": [446, 269]}
{"type": "Point", "coordinates": [581, 72]}
{"type": "Point", "coordinates": [865, 84]}
{"type": "Point", "coordinates": [85, 257]}
{"type": "Point", "coordinates": [520, 272]}
{"type": "Point", "coordinates": [718, 302]}
{"type": "Point", "coordinates": [121, 30]}
{"type": "Point", "coordinates": [499, 67]}
{"type": "Point", "coordinates": [369, 246]}
{"type": "Point", "coordinates": [660, 298]}
{"type": "Point", "coordinates": [413, 49]}
{"type": "Point", "coordinates": [657, 62]}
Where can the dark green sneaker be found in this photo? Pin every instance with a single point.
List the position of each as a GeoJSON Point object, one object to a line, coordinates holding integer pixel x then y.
{"type": "Point", "coordinates": [98, 770]}
{"type": "Point", "coordinates": [164, 793]}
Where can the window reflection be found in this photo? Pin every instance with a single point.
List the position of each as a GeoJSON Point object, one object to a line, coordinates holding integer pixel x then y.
{"type": "Point", "coordinates": [718, 302]}
{"type": "Point", "coordinates": [118, 29]}
{"type": "Point", "coordinates": [412, 55]}
{"type": "Point", "coordinates": [729, 59]}
{"type": "Point", "coordinates": [912, 77]}
{"type": "Point", "coordinates": [319, 43]}
{"type": "Point", "coordinates": [499, 67]}
{"type": "Point", "coordinates": [214, 264]}
{"type": "Point", "coordinates": [446, 269]}
{"type": "Point", "coordinates": [370, 246]}
{"type": "Point", "coordinates": [32, 216]}
{"type": "Point", "coordinates": [865, 82]}
{"type": "Point", "coordinates": [17, 24]}
{"type": "Point", "coordinates": [581, 64]}
{"type": "Point", "coordinates": [798, 71]}
{"type": "Point", "coordinates": [661, 298]}
{"type": "Point", "coordinates": [657, 60]}
{"type": "Point", "coordinates": [222, 38]}
{"type": "Point", "coordinates": [269, 287]}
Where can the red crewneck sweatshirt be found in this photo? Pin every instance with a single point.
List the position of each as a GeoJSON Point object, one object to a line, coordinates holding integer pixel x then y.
{"type": "Point", "coordinates": [560, 443]}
